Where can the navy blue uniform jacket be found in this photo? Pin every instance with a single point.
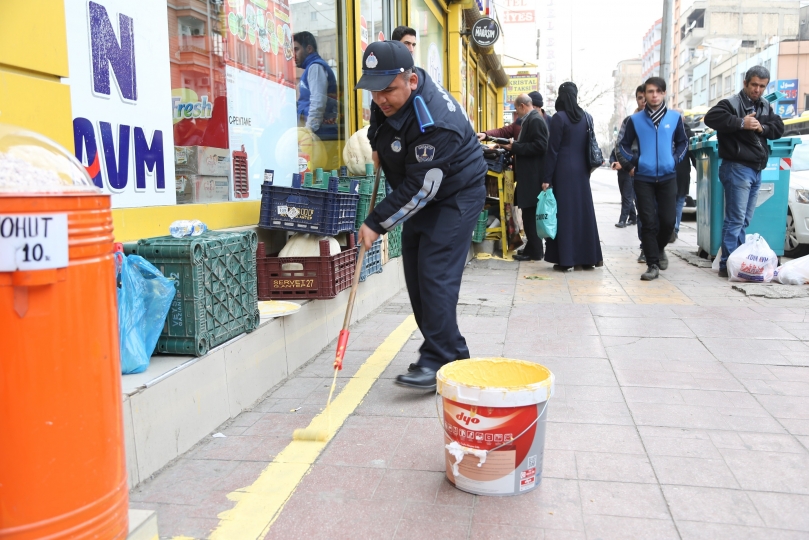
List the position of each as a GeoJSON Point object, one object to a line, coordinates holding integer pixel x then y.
{"type": "Point", "coordinates": [424, 168]}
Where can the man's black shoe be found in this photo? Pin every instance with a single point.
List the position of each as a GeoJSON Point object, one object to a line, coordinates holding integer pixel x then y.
{"type": "Point", "coordinates": [413, 367]}
{"type": "Point", "coordinates": [632, 221]}
{"type": "Point", "coordinates": [520, 257]}
{"type": "Point", "coordinates": [620, 224]}
{"type": "Point", "coordinates": [723, 272]}
{"type": "Point", "coordinates": [422, 379]}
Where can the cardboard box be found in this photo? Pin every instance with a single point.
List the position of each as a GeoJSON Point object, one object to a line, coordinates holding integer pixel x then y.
{"type": "Point", "coordinates": [202, 160]}
{"type": "Point", "coordinates": [192, 189]}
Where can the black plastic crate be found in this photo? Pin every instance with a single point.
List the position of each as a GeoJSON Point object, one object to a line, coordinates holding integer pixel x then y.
{"type": "Point", "coordinates": [311, 210]}
{"type": "Point", "coordinates": [216, 296]}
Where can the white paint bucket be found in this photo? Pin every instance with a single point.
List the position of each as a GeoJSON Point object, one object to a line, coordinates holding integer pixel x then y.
{"type": "Point", "coordinates": [494, 423]}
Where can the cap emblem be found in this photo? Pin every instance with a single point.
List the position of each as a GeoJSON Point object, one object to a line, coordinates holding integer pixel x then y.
{"type": "Point", "coordinates": [371, 62]}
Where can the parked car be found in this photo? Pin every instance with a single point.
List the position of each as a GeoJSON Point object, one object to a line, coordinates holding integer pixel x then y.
{"type": "Point", "coordinates": [796, 242]}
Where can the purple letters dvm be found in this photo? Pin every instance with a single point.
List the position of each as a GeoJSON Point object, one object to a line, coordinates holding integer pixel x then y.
{"type": "Point", "coordinates": [105, 52]}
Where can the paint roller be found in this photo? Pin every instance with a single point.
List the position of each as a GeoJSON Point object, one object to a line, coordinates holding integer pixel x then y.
{"type": "Point", "coordinates": [320, 435]}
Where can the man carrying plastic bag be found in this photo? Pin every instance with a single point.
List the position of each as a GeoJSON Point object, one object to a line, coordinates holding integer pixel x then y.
{"type": "Point", "coordinates": [144, 299]}
{"type": "Point", "coordinates": [753, 261]}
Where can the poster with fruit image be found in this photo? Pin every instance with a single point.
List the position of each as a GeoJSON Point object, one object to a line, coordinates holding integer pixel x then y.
{"type": "Point", "coordinates": [259, 39]}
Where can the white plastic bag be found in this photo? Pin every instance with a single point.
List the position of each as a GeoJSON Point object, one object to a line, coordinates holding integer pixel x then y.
{"type": "Point", "coordinates": [753, 261]}
{"type": "Point", "coordinates": [795, 272]}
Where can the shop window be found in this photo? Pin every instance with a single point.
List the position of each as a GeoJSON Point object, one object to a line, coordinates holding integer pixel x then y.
{"type": "Point", "coordinates": [263, 77]}
{"type": "Point", "coordinates": [376, 24]}
{"type": "Point", "coordinates": [427, 19]}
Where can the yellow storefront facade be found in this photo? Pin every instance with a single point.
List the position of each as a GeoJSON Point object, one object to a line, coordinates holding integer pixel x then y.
{"type": "Point", "coordinates": [226, 70]}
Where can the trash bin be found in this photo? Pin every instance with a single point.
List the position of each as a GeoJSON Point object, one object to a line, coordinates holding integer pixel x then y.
{"type": "Point", "coordinates": [770, 217]}
{"type": "Point", "coordinates": [62, 466]}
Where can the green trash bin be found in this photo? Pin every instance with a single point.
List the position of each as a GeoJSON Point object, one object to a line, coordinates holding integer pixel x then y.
{"type": "Point", "coordinates": [770, 217]}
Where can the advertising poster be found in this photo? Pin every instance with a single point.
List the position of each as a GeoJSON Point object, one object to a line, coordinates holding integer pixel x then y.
{"type": "Point", "coordinates": [261, 117]}
{"type": "Point", "coordinates": [120, 96]}
{"type": "Point", "coordinates": [788, 106]}
{"type": "Point", "coordinates": [260, 79]}
{"type": "Point", "coordinates": [259, 39]}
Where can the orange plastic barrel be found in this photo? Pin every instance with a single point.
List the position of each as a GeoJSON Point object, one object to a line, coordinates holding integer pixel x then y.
{"type": "Point", "coordinates": [62, 465]}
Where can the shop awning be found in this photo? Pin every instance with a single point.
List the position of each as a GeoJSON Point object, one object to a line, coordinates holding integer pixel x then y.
{"type": "Point", "coordinates": [486, 55]}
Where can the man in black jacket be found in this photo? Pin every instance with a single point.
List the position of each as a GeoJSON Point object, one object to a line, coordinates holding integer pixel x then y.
{"type": "Point", "coordinates": [529, 151]}
{"type": "Point", "coordinates": [744, 122]}
{"type": "Point", "coordinates": [433, 161]}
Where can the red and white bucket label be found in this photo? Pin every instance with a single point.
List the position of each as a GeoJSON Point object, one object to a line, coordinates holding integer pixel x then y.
{"type": "Point", "coordinates": [785, 164]}
{"type": "Point", "coordinates": [511, 469]}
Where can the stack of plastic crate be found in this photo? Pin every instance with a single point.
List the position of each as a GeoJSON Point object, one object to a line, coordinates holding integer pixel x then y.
{"type": "Point", "coordinates": [215, 276]}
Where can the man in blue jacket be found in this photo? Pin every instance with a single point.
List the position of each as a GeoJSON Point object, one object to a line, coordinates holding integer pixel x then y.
{"type": "Point", "coordinates": [317, 89]}
{"type": "Point", "coordinates": [433, 161]}
{"type": "Point", "coordinates": [662, 144]}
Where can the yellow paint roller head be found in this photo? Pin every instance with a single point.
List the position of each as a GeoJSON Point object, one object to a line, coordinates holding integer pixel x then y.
{"type": "Point", "coordinates": [316, 435]}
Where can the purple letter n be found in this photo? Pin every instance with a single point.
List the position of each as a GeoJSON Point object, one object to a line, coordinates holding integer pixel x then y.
{"type": "Point", "coordinates": [106, 51]}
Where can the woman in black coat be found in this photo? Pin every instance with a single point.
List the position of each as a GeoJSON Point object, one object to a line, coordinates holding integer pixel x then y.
{"type": "Point", "coordinates": [567, 171]}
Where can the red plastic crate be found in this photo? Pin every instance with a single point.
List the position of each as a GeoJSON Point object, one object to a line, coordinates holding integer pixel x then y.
{"type": "Point", "coordinates": [321, 277]}
{"type": "Point", "coordinates": [241, 180]}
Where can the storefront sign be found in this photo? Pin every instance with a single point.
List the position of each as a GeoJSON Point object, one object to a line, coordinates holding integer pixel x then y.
{"type": "Point", "coordinates": [120, 89]}
{"type": "Point", "coordinates": [520, 84]}
{"type": "Point", "coordinates": [485, 32]}
{"type": "Point", "coordinates": [519, 11]}
{"type": "Point", "coordinates": [788, 106]}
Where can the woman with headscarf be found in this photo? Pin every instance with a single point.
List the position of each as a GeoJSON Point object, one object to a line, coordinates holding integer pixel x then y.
{"type": "Point", "coordinates": [567, 171]}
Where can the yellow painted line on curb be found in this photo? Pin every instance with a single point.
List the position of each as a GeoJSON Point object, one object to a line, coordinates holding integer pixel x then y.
{"type": "Point", "coordinates": [260, 504]}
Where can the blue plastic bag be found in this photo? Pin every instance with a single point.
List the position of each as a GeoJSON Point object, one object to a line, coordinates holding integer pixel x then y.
{"type": "Point", "coordinates": [144, 299]}
{"type": "Point", "coordinates": [546, 214]}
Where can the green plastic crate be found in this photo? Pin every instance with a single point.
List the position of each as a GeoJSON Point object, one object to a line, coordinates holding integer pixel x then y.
{"type": "Point", "coordinates": [395, 242]}
{"type": "Point", "coordinates": [364, 203]}
{"type": "Point", "coordinates": [216, 288]}
{"type": "Point", "coordinates": [479, 234]}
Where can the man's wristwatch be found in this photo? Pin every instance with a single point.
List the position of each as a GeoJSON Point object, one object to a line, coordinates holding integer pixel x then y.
{"type": "Point", "coordinates": [742, 123]}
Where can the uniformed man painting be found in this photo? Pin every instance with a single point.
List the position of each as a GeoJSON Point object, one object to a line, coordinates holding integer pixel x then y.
{"type": "Point", "coordinates": [433, 162]}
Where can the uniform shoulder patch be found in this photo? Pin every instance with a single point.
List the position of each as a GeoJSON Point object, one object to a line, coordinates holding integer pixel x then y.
{"type": "Point", "coordinates": [425, 152]}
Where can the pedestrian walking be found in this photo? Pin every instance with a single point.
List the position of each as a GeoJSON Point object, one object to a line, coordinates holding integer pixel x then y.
{"type": "Point", "coordinates": [683, 182]}
{"type": "Point", "coordinates": [529, 163]}
{"type": "Point", "coordinates": [567, 171]}
{"type": "Point", "coordinates": [743, 122]}
{"type": "Point", "coordinates": [661, 143]}
{"type": "Point", "coordinates": [433, 161]}
{"type": "Point", "coordinates": [625, 170]}
{"type": "Point", "coordinates": [640, 101]}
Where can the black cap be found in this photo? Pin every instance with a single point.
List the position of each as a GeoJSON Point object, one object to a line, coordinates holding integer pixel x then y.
{"type": "Point", "coordinates": [381, 63]}
{"type": "Point", "coordinates": [536, 98]}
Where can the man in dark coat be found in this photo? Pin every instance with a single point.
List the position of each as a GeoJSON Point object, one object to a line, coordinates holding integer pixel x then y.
{"type": "Point", "coordinates": [743, 122]}
{"type": "Point", "coordinates": [529, 151]}
{"type": "Point", "coordinates": [538, 103]}
{"type": "Point", "coordinates": [433, 161]}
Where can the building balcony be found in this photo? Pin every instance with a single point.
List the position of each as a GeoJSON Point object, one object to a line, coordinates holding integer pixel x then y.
{"type": "Point", "coordinates": [198, 44]}
{"type": "Point", "coordinates": [694, 37]}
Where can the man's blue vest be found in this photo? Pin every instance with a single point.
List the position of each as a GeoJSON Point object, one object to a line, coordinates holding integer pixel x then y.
{"type": "Point", "coordinates": [304, 93]}
{"type": "Point", "coordinates": [656, 161]}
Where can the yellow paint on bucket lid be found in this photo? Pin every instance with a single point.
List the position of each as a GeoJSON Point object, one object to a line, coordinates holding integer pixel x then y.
{"type": "Point", "coordinates": [496, 373]}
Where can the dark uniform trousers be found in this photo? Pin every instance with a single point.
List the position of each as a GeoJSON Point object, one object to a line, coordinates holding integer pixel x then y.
{"type": "Point", "coordinates": [435, 242]}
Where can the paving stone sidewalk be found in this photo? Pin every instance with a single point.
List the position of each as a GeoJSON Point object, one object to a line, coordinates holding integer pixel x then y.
{"type": "Point", "coordinates": [681, 411]}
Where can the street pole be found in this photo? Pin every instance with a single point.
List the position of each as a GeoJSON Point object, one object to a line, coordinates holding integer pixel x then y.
{"type": "Point", "coordinates": [666, 42]}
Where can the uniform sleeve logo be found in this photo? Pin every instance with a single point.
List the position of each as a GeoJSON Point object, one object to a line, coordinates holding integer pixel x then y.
{"type": "Point", "coordinates": [425, 152]}
{"type": "Point", "coordinates": [371, 62]}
